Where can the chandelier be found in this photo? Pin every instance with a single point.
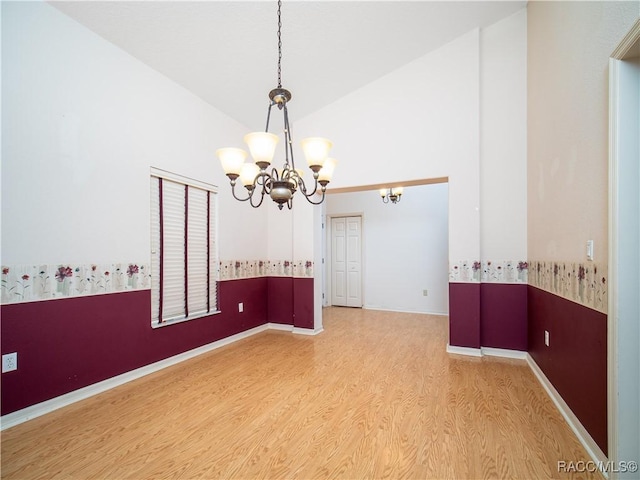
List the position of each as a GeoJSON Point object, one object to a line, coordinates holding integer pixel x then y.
{"type": "Point", "coordinates": [392, 194]}
{"type": "Point", "coordinates": [279, 184]}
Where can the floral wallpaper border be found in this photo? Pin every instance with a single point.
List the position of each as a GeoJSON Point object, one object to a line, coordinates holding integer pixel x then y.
{"type": "Point", "coordinates": [584, 283]}
{"type": "Point", "coordinates": [490, 271]}
{"type": "Point", "coordinates": [27, 283]}
{"type": "Point", "coordinates": [581, 282]}
{"type": "Point", "coordinates": [24, 283]}
{"type": "Point", "coordinates": [235, 269]}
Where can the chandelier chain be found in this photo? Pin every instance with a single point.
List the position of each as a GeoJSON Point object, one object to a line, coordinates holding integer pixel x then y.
{"type": "Point", "coordinates": [279, 45]}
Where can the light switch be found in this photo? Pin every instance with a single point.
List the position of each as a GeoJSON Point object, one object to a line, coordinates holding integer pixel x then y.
{"type": "Point", "coordinates": [589, 249]}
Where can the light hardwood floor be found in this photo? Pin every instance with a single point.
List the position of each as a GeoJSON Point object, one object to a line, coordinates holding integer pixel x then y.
{"type": "Point", "coordinates": [374, 396]}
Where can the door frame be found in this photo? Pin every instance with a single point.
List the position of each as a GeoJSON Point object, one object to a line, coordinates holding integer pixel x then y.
{"type": "Point", "coordinates": [630, 41]}
{"type": "Point", "coordinates": [326, 293]}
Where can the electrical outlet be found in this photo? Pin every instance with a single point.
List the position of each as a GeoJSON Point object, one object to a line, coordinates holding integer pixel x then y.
{"type": "Point", "coordinates": [425, 293]}
{"type": "Point", "coordinates": [241, 307]}
{"type": "Point", "coordinates": [546, 338]}
{"type": "Point", "coordinates": [9, 362]}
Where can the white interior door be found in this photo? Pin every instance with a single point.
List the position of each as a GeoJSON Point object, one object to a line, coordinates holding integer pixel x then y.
{"type": "Point", "coordinates": [338, 262]}
{"type": "Point", "coordinates": [346, 261]}
{"type": "Point", "coordinates": [354, 261]}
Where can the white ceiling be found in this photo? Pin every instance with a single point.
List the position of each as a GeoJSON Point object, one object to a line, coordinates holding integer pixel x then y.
{"type": "Point", "coordinates": [226, 51]}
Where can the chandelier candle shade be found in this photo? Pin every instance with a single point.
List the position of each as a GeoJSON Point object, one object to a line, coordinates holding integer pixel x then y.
{"type": "Point", "coordinates": [392, 194]}
{"type": "Point", "coordinates": [279, 183]}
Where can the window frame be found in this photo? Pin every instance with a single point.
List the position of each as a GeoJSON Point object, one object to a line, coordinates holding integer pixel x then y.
{"type": "Point", "coordinates": [156, 244]}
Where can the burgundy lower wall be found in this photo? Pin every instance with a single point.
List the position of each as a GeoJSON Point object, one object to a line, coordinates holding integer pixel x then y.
{"type": "Point", "coordinates": [290, 301]}
{"type": "Point", "coordinates": [503, 310]}
{"type": "Point", "coordinates": [303, 303]}
{"type": "Point", "coordinates": [67, 344]}
{"type": "Point", "coordinates": [280, 300]}
{"type": "Point", "coordinates": [464, 315]}
{"type": "Point", "coordinates": [488, 315]}
{"type": "Point", "coordinates": [575, 361]}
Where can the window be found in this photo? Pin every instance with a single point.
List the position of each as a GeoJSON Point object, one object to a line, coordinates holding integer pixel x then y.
{"type": "Point", "coordinates": [184, 263]}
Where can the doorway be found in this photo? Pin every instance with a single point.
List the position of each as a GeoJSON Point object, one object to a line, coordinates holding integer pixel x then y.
{"type": "Point", "coordinates": [405, 257]}
{"type": "Point", "coordinates": [346, 261]}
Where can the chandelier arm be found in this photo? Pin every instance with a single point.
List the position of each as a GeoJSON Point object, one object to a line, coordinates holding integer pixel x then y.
{"type": "Point", "coordinates": [264, 176]}
{"type": "Point", "coordinates": [261, 180]}
{"type": "Point", "coordinates": [274, 176]}
{"type": "Point", "coordinates": [233, 192]}
{"type": "Point", "coordinates": [264, 181]}
{"type": "Point", "coordinates": [256, 183]}
{"type": "Point", "coordinates": [261, 199]}
{"type": "Point", "coordinates": [308, 197]}
{"type": "Point", "coordinates": [303, 188]}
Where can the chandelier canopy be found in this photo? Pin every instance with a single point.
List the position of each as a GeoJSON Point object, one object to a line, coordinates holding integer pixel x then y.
{"type": "Point", "coordinates": [280, 184]}
{"type": "Point", "coordinates": [392, 194]}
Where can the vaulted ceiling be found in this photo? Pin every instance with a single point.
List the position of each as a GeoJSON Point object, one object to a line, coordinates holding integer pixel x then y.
{"type": "Point", "coordinates": [226, 51]}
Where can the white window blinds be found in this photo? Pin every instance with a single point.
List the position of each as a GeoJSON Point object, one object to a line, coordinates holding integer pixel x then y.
{"type": "Point", "coordinates": [183, 250]}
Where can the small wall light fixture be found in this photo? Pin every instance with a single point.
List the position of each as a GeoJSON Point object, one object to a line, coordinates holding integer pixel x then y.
{"type": "Point", "coordinates": [392, 194]}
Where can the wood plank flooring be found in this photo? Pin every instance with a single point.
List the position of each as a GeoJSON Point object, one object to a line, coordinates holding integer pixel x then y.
{"type": "Point", "coordinates": [374, 396]}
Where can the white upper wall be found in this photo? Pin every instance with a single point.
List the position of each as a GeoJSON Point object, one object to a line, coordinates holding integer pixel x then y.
{"type": "Point", "coordinates": [279, 235]}
{"type": "Point", "coordinates": [503, 139]}
{"type": "Point", "coordinates": [420, 121]}
{"type": "Point", "coordinates": [82, 124]}
{"type": "Point", "coordinates": [416, 122]}
{"type": "Point", "coordinates": [568, 124]}
{"type": "Point", "coordinates": [458, 112]}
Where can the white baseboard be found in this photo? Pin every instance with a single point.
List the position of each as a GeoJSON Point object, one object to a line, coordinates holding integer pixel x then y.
{"type": "Point", "coordinates": [470, 352]}
{"type": "Point", "coordinates": [33, 411]}
{"type": "Point", "coordinates": [504, 353]}
{"type": "Point", "coordinates": [488, 351]}
{"type": "Point", "coordinates": [297, 330]}
{"type": "Point", "coordinates": [285, 327]}
{"type": "Point", "coordinates": [307, 331]}
{"type": "Point", "coordinates": [592, 448]}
